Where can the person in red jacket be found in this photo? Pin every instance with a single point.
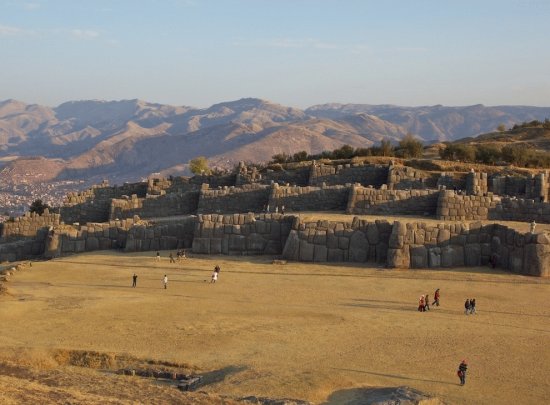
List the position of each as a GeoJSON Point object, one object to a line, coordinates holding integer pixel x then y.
{"type": "Point", "coordinates": [463, 366]}
{"type": "Point", "coordinates": [436, 298]}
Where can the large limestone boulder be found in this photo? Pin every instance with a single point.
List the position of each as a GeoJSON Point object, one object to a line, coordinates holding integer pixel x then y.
{"type": "Point", "coordinates": [399, 258]}
{"type": "Point", "coordinates": [419, 256]}
{"type": "Point", "coordinates": [358, 247]}
{"type": "Point", "coordinates": [292, 246]}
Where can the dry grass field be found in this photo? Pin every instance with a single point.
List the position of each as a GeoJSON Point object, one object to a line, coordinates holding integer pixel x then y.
{"type": "Point", "coordinates": [322, 333]}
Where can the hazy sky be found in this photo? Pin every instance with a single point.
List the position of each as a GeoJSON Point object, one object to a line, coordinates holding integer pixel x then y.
{"type": "Point", "coordinates": [294, 52]}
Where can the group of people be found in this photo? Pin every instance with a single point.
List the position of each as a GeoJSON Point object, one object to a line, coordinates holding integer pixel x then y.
{"type": "Point", "coordinates": [180, 254]}
{"type": "Point", "coordinates": [470, 306]}
{"type": "Point", "coordinates": [215, 275]}
{"type": "Point", "coordinates": [424, 301]}
{"type": "Point", "coordinates": [267, 208]}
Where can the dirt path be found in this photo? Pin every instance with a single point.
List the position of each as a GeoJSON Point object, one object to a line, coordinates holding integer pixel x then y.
{"type": "Point", "coordinates": [297, 330]}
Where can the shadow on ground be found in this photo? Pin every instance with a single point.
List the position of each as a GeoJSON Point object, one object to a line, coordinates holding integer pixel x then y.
{"type": "Point", "coordinates": [380, 396]}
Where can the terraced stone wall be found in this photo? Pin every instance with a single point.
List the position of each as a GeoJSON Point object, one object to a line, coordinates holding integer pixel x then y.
{"type": "Point", "coordinates": [247, 198]}
{"type": "Point", "coordinates": [309, 198]}
{"type": "Point", "coordinates": [371, 201]}
{"type": "Point", "coordinates": [241, 234]}
{"type": "Point", "coordinates": [419, 245]}
{"type": "Point", "coordinates": [173, 204]}
{"type": "Point", "coordinates": [327, 241]}
{"type": "Point", "coordinates": [374, 175]}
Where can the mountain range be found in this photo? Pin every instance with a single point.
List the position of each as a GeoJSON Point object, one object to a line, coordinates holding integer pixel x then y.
{"type": "Point", "coordinates": [130, 139]}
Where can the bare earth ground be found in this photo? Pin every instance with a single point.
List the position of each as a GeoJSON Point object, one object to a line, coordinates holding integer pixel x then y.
{"type": "Point", "coordinates": [307, 331]}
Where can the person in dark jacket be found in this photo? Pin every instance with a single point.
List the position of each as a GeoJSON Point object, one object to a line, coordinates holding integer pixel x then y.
{"type": "Point", "coordinates": [463, 366]}
{"type": "Point", "coordinates": [473, 306]}
{"type": "Point", "coordinates": [467, 306]}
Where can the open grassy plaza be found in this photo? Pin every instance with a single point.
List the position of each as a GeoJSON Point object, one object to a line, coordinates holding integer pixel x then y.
{"type": "Point", "coordinates": [321, 333]}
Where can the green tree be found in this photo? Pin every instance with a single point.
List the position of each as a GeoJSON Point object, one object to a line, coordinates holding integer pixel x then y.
{"type": "Point", "coordinates": [199, 165]}
{"type": "Point", "coordinates": [501, 128]}
{"type": "Point", "coordinates": [386, 148]}
{"type": "Point", "coordinates": [488, 154]}
{"type": "Point", "coordinates": [300, 156]}
{"type": "Point", "coordinates": [459, 152]}
{"type": "Point", "coordinates": [38, 206]}
{"type": "Point", "coordinates": [411, 147]}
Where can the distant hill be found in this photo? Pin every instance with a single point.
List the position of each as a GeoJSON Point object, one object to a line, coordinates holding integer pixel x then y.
{"type": "Point", "coordinates": [438, 122]}
{"type": "Point", "coordinates": [130, 139]}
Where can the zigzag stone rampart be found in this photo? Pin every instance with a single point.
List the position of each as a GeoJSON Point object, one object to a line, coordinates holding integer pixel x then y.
{"type": "Point", "coordinates": [229, 219]}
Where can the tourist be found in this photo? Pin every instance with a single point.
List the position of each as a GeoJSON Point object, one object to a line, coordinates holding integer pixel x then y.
{"type": "Point", "coordinates": [183, 255]}
{"type": "Point", "coordinates": [214, 277]}
{"type": "Point", "coordinates": [171, 256]}
{"type": "Point", "coordinates": [427, 303]}
{"type": "Point", "coordinates": [283, 209]}
{"type": "Point", "coordinates": [532, 227]}
{"type": "Point", "coordinates": [217, 269]}
{"type": "Point", "coordinates": [462, 372]}
{"type": "Point", "coordinates": [436, 298]}
{"type": "Point", "coordinates": [421, 304]}
{"type": "Point", "coordinates": [473, 306]}
{"type": "Point", "coordinates": [267, 209]}
{"type": "Point", "coordinates": [493, 260]}
{"type": "Point", "coordinates": [158, 256]}
{"type": "Point", "coordinates": [134, 280]}
{"type": "Point", "coordinates": [276, 209]}
{"type": "Point", "coordinates": [467, 307]}
{"type": "Point", "coordinates": [165, 281]}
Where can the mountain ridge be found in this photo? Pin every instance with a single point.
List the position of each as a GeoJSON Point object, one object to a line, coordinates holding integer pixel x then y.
{"type": "Point", "coordinates": [130, 139]}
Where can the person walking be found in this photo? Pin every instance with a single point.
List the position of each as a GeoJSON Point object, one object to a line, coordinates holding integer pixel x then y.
{"type": "Point", "coordinates": [158, 257]}
{"type": "Point", "coordinates": [427, 303]}
{"type": "Point", "coordinates": [473, 306]}
{"type": "Point", "coordinates": [466, 306]}
{"type": "Point", "coordinates": [421, 304]}
{"type": "Point", "coordinates": [283, 209]}
{"type": "Point", "coordinates": [171, 256]}
{"type": "Point", "coordinates": [134, 280]}
{"type": "Point", "coordinates": [165, 281]}
{"type": "Point", "coordinates": [462, 368]}
{"type": "Point", "coordinates": [532, 227]}
{"type": "Point", "coordinates": [436, 298]}
{"type": "Point", "coordinates": [214, 277]}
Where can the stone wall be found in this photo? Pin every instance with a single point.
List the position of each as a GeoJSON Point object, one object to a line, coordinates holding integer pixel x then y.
{"type": "Point", "coordinates": [29, 225]}
{"type": "Point", "coordinates": [67, 239]}
{"type": "Point", "coordinates": [93, 205]}
{"type": "Point", "coordinates": [173, 204]}
{"type": "Point", "coordinates": [146, 236]}
{"type": "Point", "coordinates": [404, 177]}
{"type": "Point", "coordinates": [454, 207]}
{"type": "Point", "coordinates": [241, 234]}
{"type": "Point", "coordinates": [418, 245]}
{"type": "Point", "coordinates": [520, 209]}
{"type": "Point", "coordinates": [367, 175]}
{"type": "Point", "coordinates": [248, 198]}
{"type": "Point", "coordinates": [370, 201]}
{"type": "Point", "coordinates": [324, 241]}
{"type": "Point", "coordinates": [476, 183]}
{"type": "Point", "coordinates": [309, 198]}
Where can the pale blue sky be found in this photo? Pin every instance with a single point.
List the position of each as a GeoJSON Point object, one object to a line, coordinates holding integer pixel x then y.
{"type": "Point", "coordinates": [294, 52]}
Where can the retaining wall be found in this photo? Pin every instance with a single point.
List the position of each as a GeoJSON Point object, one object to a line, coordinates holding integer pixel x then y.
{"type": "Point", "coordinates": [248, 198]}
{"type": "Point", "coordinates": [164, 205]}
{"type": "Point", "coordinates": [374, 175]}
{"type": "Point", "coordinates": [324, 241]}
{"type": "Point", "coordinates": [370, 201]}
{"type": "Point", "coordinates": [241, 234]}
{"type": "Point", "coordinates": [309, 198]}
{"type": "Point", "coordinates": [418, 245]}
